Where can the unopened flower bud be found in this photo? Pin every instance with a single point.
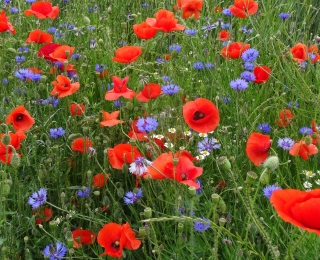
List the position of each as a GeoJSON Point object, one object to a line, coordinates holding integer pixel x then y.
{"type": "Point", "coordinates": [15, 160]}
{"type": "Point", "coordinates": [74, 136]}
{"type": "Point", "coordinates": [222, 221]}
{"type": "Point", "coordinates": [264, 177]}
{"type": "Point", "coordinates": [109, 10]}
{"type": "Point", "coordinates": [96, 192]}
{"type": "Point", "coordinates": [142, 231]}
{"type": "Point", "coordinates": [192, 191]}
{"type": "Point", "coordinates": [222, 206]}
{"type": "Point", "coordinates": [129, 105]}
{"type": "Point", "coordinates": [6, 139]}
{"type": "Point", "coordinates": [224, 163]}
{"type": "Point", "coordinates": [251, 178]}
{"type": "Point", "coordinates": [53, 225]}
{"type": "Point", "coordinates": [271, 163]}
{"type": "Point", "coordinates": [86, 20]}
{"type": "Point", "coordinates": [180, 227]}
{"type": "Point", "coordinates": [147, 212]}
{"type": "Point", "coordinates": [124, 25]}
{"type": "Point", "coordinates": [5, 189]}
{"type": "Point", "coordinates": [308, 140]}
{"type": "Point", "coordinates": [67, 52]}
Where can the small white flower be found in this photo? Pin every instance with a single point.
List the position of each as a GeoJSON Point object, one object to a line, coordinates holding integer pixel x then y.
{"type": "Point", "coordinates": [168, 145]}
{"type": "Point", "coordinates": [203, 134]}
{"type": "Point", "coordinates": [318, 182]}
{"type": "Point", "coordinates": [205, 153]}
{"type": "Point", "coordinates": [182, 148]}
{"type": "Point", "coordinates": [310, 174]}
{"type": "Point", "coordinates": [158, 136]}
{"type": "Point", "coordinates": [172, 130]}
{"type": "Point", "coordinates": [200, 157]}
{"type": "Point", "coordinates": [187, 133]}
{"type": "Point", "coordinates": [307, 185]}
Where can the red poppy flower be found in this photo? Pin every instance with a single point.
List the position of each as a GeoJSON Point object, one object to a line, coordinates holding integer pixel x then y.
{"type": "Point", "coordinates": [313, 48]}
{"type": "Point", "coordinates": [262, 73]}
{"type": "Point", "coordinates": [63, 87]}
{"type": "Point", "coordinates": [201, 115]}
{"type": "Point", "coordinates": [191, 7]}
{"type": "Point", "coordinates": [234, 50]}
{"type": "Point", "coordinates": [119, 89]}
{"type": "Point", "coordinates": [46, 50]}
{"type": "Point", "coordinates": [224, 35]}
{"type": "Point", "coordinates": [81, 144]}
{"type": "Point", "coordinates": [165, 22]}
{"type": "Point", "coordinates": [4, 24]}
{"type": "Point", "coordinates": [62, 53]}
{"type": "Point", "coordinates": [300, 208]}
{"type": "Point", "coordinates": [300, 52]}
{"type": "Point", "coordinates": [315, 135]}
{"type": "Point", "coordinates": [243, 8]}
{"type": "Point", "coordinates": [110, 119]}
{"type": "Point", "coordinates": [38, 36]}
{"type": "Point", "coordinates": [158, 168]}
{"type": "Point", "coordinates": [121, 154]}
{"type": "Point", "coordinates": [301, 149]}
{"type": "Point", "coordinates": [217, 9]}
{"type": "Point", "coordinates": [150, 91]}
{"type": "Point", "coordinates": [43, 10]}
{"type": "Point", "coordinates": [258, 146]}
{"type": "Point", "coordinates": [144, 31]}
{"type": "Point", "coordinates": [114, 238]}
{"type": "Point", "coordinates": [77, 109]}
{"type": "Point", "coordinates": [6, 151]}
{"type": "Point", "coordinates": [45, 214]}
{"type": "Point", "coordinates": [285, 118]}
{"type": "Point", "coordinates": [127, 54]}
{"type": "Point", "coordinates": [82, 236]}
{"type": "Point", "coordinates": [99, 180]}
{"type": "Point", "coordinates": [20, 119]}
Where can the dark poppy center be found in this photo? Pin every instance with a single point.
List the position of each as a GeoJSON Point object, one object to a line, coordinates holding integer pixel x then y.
{"type": "Point", "coordinates": [198, 115]}
{"type": "Point", "coordinates": [115, 244]}
{"type": "Point", "coordinates": [183, 176]}
{"type": "Point", "coordinates": [65, 85]}
{"type": "Point", "coordinates": [20, 117]}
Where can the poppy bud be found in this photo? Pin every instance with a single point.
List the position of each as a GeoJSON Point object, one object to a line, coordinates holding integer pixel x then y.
{"type": "Point", "coordinates": [317, 38]}
{"type": "Point", "coordinates": [147, 212]}
{"type": "Point", "coordinates": [67, 52]}
{"type": "Point", "coordinates": [53, 225]}
{"type": "Point", "coordinates": [314, 135]}
{"type": "Point", "coordinates": [100, 41]}
{"type": "Point", "coordinates": [109, 10]}
{"type": "Point", "coordinates": [224, 163]}
{"type": "Point", "coordinates": [124, 25]}
{"type": "Point", "coordinates": [222, 206]}
{"type": "Point", "coordinates": [142, 231]}
{"type": "Point", "coordinates": [86, 20]}
{"type": "Point", "coordinates": [6, 139]}
{"type": "Point", "coordinates": [222, 221]}
{"type": "Point", "coordinates": [129, 105]}
{"type": "Point", "coordinates": [105, 200]}
{"type": "Point", "coordinates": [251, 177]}
{"type": "Point", "coordinates": [26, 239]}
{"type": "Point", "coordinates": [120, 192]}
{"type": "Point", "coordinates": [192, 191]}
{"type": "Point", "coordinates": [96, 192]}
{"type": "Point", "coordinates": [15, 160]}
{"type": "Point", "coordinates": [74, 136]}
{"type": "Point", "coordinates": [264, 177]}
{"type": "Point", "coordinates": [271, 163]}
{"type": "Point", "coordinates": [125, 168]}
{"type": "Point", "coordinates": [12, 50]}
{"type": "Point", "coordinates": [180, 227]}
{"type": "Point", "coordinates": [308, 140]}
{"type": "Point", "coordinates": [5, 189]}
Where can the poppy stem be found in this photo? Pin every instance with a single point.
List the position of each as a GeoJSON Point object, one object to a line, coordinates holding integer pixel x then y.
{"type": "Point", "coordinates": [294, 247]}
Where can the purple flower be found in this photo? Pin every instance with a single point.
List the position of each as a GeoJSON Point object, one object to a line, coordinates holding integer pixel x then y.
{"type": "Point", "coordinates": [246, 31]}
{"type": "Point", "coordinates": [170, 89]}
{"type": "Point", "coordinates": [267, 191]}
{"type": "Point", "coordinates": [23, 49]}
{"type": "Point", "coordinates": [14, 10]}
{"type": "Point", "coordinates": [139, 166]}
{"type": "Point", "coordinates": [285, 143]}
{"type": "Point", "coordinates": [208, 144]}
{"type": "Point", "coordinates": [239, 84]}
{"type": "Point", "coordinates": [20, 59]}
{"type": "Point", "coordinates": [226, 100]}
{"type": "Point", "coordinates": [175, 47]}
{"type": "Point", "coordinates": [118, 103]}
{"type": "Point", "coordinates": [199, 191]}
{"type": "Point", "coordinates": [84, 192]}
{"type": "Point", "coordinates": [209, 66]}
{"type": "Point", "coordinates": [57, 132]}
{"type": "Point", "coordinates": [249, 66]}
{"type": "Point", "coordinates": [147, 125]}
{"type": "Point", "coordinates": [264, 128]}
{"type": "Point", "coordinates": [227, 12]}
{"type": "Point", "coordinates": [293, 104]}
{"type": "Point", "coordinates": [132, 196]}
{"type": "Point", "coordinates": [100, 67]}
{"type": "Point", "coordinates": [166, 78]}
{"type": "Point", "coordinates": [202, 226]}
{"type": "Point", "coordinates": [55, 253]}
{"type": "Point", "coordinates": [250, 55]}
{"type": "Point", "coordinates": [305, 130]}
{"type": "Point", "coordinates": [225, 26]}
{"type": "Point", "coordinates": [190, 31]}
{"type": "Point", "coordinates": [38, 198]}
{"type": "Point", "coordinates": [198, 66]}
{"type": "Point", "coordinates": [284, 16]}
{"type": "Point", "coordinates": [248, 76]}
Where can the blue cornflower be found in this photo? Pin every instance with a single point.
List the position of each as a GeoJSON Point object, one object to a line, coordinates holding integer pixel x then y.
{"type": "Point", "coordinates": [210, 27]}
{"type": "Point", "coordinates": [248, 76]}
{"type": "Point", "coordinates": [267, 191]}
{"type": "Point", "coordinates": [227, 12]}
{"type": "Point", "coordinates": [226, 100]}
{"type": "Point", "coordinates": [199, 190]}
{"type": "Point", "coordinates": [198, 65]}
{"type": "Point", "coordinates": [35, 77]}
{"type": "Point", "coordinates": [284, 16]}
{"type": "Point", "coordinates": [38, 198]}
{"type": "Point", "coordinates": [145, 5]}
{"type": "Point", "coordinates": [55, 253]}
{"type": "Point", "coordinates": [246, 31]}
{"type": "Point", "coordinates": [139, 166]}
{"type": "Point", "coordinates": [305, 130]}
{"type": "Point", "coordinates": [202, 226]}
{"type": "Point", "coordinates": [166, 78]}
{"type": "Point", "coordinates": [264, 128]}
{"type": "Point", "coordinates": [92, 44]}
{"type": "Point", "coordinates": [100, 67]}
{"type": "Point", "coordinates": [5, 81]}
{"type": "Point", "coordinates": [75, 56]}
{"type": "Point", "coordinates": [14, 10]}
{"type": "Point", "coordinates": [293, 104]}
{"type": "Point", "coordinates": [175, 47]}
{"type": "Point", "coordinates": [23, 74]}
{"type": "Point", "coordinates": [20, 59]}
{"type": "Point", "coordinates": [118, 103]}
{"type": "Point", "coordinates": [52, 30]}
{"type": "Point", "coordinates": [208, 144]}
{"type": "Point", "coordinates": [91, 28]}
{"type": "Point", "coordinates": [285, 143]}
{"type": "Point", "coordinates": [209, 66]}
{"type": "Point", "coordinates": [160, 60]}
{"type": "Point", "coordinates": [51, 101]}
{"type": "Point", "coordinates": [23, 49]}
{"type": "Point", "coordinates": [239, 84]}
{"type": "Point", "coordinates": [147, 124]}
{"type": "Point", "coordinates": [225, 26]}
{"type": "Point", "coordinates": [132, 196]}
{"type": "Point", "coordinates": [57, 132]}
{"type": "Point", "coordinates": [84, 192]}
{"type": "Point", "coordinates": [303, 65]}
{"type": "Point", "coordinates": [248, 66]}
{"type": "Point", "coordinates": [170, 89]}
{"type": "Point", "coordinates": [250, 55]}
{"type": "Point", "coordinates": [312, 56]}
{"type": "Point", "coordinates": [190, 32]}
{"type": "Point", "coordinates": [30, 1]}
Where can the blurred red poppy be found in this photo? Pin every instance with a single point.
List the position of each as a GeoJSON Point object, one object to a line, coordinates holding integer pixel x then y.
{"type": "Point", "coordinates": [63, 87]}
{"type": "Point", "coordinates": [303, 150]}
{"type": "Point", "coordinates": [285, 118]}
{"type": "Point", "coordinates": [110, 119]}
{"type": "Point", "coordinates": [20, 119]}
{"type": "Point", "coordinates": [45, 214]}
{"type": "Point", "coordinates": [81, 144]}
{"type": "Point", "coordinates": [6, 151]}
{"type": "Point", "coordinates": [38, 36]}
{"type": "Point", "coordinates": [165, 22]}
{"type": "Point", "coordinates": [99, 180]}
{"type": "Point", "coordinates": [243, 8]}
{"type": "Point", "coordinates": [201, 115]}
{"type": "Point", "coordinates": [119, 89]}
{"type": "Point", "coordinates": [144, 31]}
{"type": "Point", "coordinates": [77, 109]}
{"type": "Point", "coordinates": [258, 146]}
{"type": "Point", "coordinates": [62, 53]}
{"type": "Point", "coordinates": [262, 73]}
{"type": "Point", "coordinates": [114, 238]}
{"type": "Point", "coordinates": [43, 10]}
{"type": "Point", "coordinates": [158, 168]}
{"type": "Point", "coordinates": [82, 236]}
{"type": "Point", "coordinates": [315, 135]}
{"type": "Point", "coordinates": [224, 35]}
{"type": "Point", "coordinates": [300, 52]}
{"type": "Point", "coordinates": [127, 54]}
{"type": "Point", "coordinates": [4, 24]}
{"type": "Point", "coordinates": [121, 154]}
{"type": "Point", "coordinates": [234, 50]}
{"type": "Point", "coordinates": [46, 50]}
{"type": "Point", "coordinates": [150, 91]}
{"type": "Point", "coordinates": [300, 208]}
{"type": "Point", "coordinates": [191, 7]}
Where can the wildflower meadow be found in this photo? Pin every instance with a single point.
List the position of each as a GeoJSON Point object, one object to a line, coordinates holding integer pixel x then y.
{"type": "Point", "coordinates": [175, 130]}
